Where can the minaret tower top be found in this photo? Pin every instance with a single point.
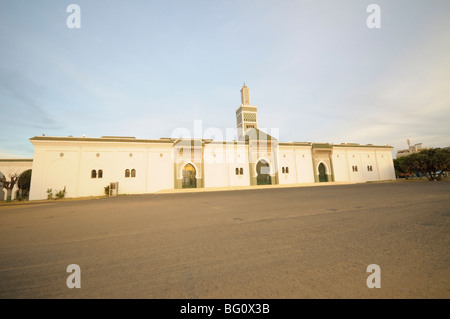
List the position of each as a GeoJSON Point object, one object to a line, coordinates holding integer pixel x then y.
{"type": "Point", "coordinates": [245, 95]}
{"type": "Point", "coordinates": [246, 115]}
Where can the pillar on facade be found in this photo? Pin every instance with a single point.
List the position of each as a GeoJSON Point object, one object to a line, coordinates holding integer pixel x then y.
{"type": "Point", "coordinates": [14, 191]}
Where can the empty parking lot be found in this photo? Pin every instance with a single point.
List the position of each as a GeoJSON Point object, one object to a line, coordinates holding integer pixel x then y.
{"type": "Point", "coordinates": [305, 242]}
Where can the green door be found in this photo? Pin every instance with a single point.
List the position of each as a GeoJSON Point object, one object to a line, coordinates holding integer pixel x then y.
{"type": "Point", "coordinates": [189, 180]}
{"type": "Point", "coordinates": [322, 173]}
{"type": "Point", "coordinates": [263, 171]}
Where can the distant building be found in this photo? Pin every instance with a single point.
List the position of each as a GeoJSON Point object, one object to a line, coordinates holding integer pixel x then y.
{"type": "Point", "coordinates": [416, 148]}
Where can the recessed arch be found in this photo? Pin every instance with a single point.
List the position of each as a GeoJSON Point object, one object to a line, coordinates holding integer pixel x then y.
{"type": "Point", "coordinates": [189, 179]}
{"type": "Point", "coordinates": [24, 183]}
{"type": "Point", "coordinates": [322, 170]}
{"type": "Point", "coordinates": [263, 173]}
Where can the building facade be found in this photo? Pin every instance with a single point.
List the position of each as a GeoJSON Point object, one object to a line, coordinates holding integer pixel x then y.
{"type": "Point", "coordinates": [85, 166]}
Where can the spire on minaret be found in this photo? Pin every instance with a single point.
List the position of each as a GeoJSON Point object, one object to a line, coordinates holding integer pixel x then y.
{"type": "Point", "coordinates": [245, 95]}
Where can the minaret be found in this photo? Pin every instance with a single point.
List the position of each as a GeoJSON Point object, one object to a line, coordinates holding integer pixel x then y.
{"type": "Point", "coordinates": [246, 117]}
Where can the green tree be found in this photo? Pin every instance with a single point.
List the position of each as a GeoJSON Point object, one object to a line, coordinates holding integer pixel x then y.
{"type": "Point", "coordinates": [432, 163]}
{"type": "Point", "coordinates": [398, 166]}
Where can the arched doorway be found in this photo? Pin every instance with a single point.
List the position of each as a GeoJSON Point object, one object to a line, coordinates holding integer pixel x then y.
{"type": "Point", "coordinates": [23, 183]}
{"type": "Point", "coordinates": [322, 173]}
{"type": "Point", "coordinates": [263, 171]}
{"type": "Point", "coordinates": [189, 180]}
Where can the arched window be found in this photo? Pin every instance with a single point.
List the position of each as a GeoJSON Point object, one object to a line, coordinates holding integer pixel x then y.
{"type": "Point", "coordinates": [287, 170]}
{"type": "Point", "coordinates": [93, 173]}
{"type": "Point", "coordinates": [237, 170]}
{"type": "Point", "coordinates": [100, 173]}
{"type": "Point", "coordinates": [241, 171]}
{"type": "Point", "coordinates": [133, 173]}
{"type": "Point", "coordinates": [282, 169]}
{"type": "Point", "coordinates": [127, 173]}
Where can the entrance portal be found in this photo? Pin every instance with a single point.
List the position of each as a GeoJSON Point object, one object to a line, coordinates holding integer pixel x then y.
{"type": "Point", "coordinates": [263, 171]}
{"type": "Point", "coordinates": [322, 173]}
{"type": "Point", "coordinates": [189, 180]}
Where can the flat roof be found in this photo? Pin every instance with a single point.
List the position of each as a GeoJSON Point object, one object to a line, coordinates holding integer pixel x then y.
{"type": "Point", "coordinates": [166, 140]}
{"type": "Point", "coordinates": [98, 139]}
{"type": "Point", "coordinates": [16, 160]}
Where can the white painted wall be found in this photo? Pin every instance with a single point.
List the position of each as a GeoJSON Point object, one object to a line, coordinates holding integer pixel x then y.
{"type": "Point", "coordinates": [304, 164]}
{"type": "Point", "coordinates": [385, 165]}
{"type": "Point", "coordinates": [73, 169]}
{"type": "Point", "coordinates": [354, 159]}
{"type": "Point", "coordinates": [154, 166]}
{"type": "Point", "coordinates": [60, 172]}
{"type": "Point", "coordinates": [160, 168]}
{"type": "Point", "coordinates": [379, 158]}
{"type": "Point", "coordinates": [286, 158]}
{"type": "Point", "coordinates": [368, 158]}
{"type": "Point", "coordinates": [237, 157]}
{"type": "Point", "coordinates": [340, 166]}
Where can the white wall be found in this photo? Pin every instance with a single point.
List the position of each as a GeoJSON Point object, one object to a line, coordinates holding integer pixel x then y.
{"type": "Point", "coordinates": [88, 186]}
{"type": "Point", "coordinates": [73, 169]}
{"type": "Point", "coordinates": [304, 164]}
{"type": "Point", "coordinates": [237, 157]}
{"type": "Point", "coordinates": [369, 158]}
{"type": "Point", "coordinates": [340, 166]}
{"type": "Point", "coordinates": [379, 158]}
{"type": "Point", "coordinates": [385, 165]}
{"type": "Point", "coordinates": [59, 172]}
{"type": "Point", "coordinates": [286, 158]}
{"type": "Point", "coordinates": [154, 166]}
{"type": "Point", "coordinates": [215, 165]}
{"type": "Point", "coordinates": [160, 168]}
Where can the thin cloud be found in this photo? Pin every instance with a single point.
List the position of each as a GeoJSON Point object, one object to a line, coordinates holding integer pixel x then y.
{"type": "Point", "coordinates": [23, 106]}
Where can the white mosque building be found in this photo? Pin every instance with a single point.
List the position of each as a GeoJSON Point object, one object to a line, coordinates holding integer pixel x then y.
{"type": "Point", "coordinates": [84, 165]}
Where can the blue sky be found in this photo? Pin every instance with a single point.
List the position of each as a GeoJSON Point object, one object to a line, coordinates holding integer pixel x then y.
{"type": "Point", "coordinates": [145, 68]}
